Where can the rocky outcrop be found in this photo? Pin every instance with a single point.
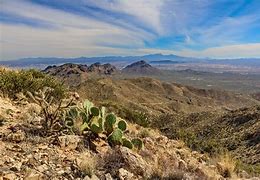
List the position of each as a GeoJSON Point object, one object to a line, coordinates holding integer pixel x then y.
{"type": "Point", "coordinates": [69, 69]}
{"type": "Point", "coordinates": [106, 69]}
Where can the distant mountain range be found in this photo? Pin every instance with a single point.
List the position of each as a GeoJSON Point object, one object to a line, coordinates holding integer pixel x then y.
{"type": "Point", "coordinates": [42, 62]}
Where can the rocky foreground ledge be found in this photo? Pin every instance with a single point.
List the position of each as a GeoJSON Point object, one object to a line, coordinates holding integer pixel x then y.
{"type": "Point", "coordinates": [26, 155]}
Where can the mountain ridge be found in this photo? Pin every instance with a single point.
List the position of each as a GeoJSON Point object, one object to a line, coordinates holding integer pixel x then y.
{"type": "Point", "coordinates": [43, 61]}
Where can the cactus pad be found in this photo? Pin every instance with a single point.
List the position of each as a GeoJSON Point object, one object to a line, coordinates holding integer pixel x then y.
{"type": "Point", "coordinates": [109, 123]}
{"type": "Point", "coordinates": [115, 138]}
{"type": "Point", "coordinates": [127, 143]}
{"type": "Point", "coordinates": [122, 125]}
{"type": "Point", "coordinates": [94, 111]}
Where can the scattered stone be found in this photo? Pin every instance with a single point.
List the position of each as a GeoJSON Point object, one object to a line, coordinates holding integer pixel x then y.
{"type": "Point", "coordinates": [34, 175]}
{"type": "Point", "coordinates": [16, 136]}
{"type": "Point", "coordinates": [108, 176]}
{"type": "Point", "coordinates": [93, 177]}
{"type": "Point", "coordinates": [42, 168]}
{"type": "Point", "coordinates": [123, 157]}
{"type": "Point", "coordinates": [182, 165]}
{"type": "Point", "coordinates": [69, 142]}
{"type": "Point", "coordinates": [9, 177]}
{"type": "Point", "coordinates": [125, 175]}
{"type": "Point", "coordinates": [16, 167]}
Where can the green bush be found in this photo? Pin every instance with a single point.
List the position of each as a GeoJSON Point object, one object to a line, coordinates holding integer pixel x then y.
{"type": "Point", "coordinates": [137, 117]}
{"type": "Point", "coordinates": [14, 82]}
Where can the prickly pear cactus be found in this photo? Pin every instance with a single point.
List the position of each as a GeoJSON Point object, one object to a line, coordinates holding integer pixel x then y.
{"type": "Point", "coordinates": [127, 143]}
{"type": "Point", "coordinates": [109, 123]}
{"type": "Point", "coordinates": [122, 125]}
{"type": "Point", "coordinates": [94, 111]}
{"type": "Point", "coordinates": [87, 105]}
{"type": "Point", "coordinates": [84, 116]}
{"type": "Point", "coordinates": [115, 138]}
{"type": "Point", "coordinates": [96, 121]}
{"type": "Point", "coordinates": [96, 125]}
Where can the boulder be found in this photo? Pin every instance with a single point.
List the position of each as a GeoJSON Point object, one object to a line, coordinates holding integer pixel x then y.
{"type": "Point", "coordinates": [122, 157]}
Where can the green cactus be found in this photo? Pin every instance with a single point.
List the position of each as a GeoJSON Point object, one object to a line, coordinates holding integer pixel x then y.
{"type": "Point", "coordinates": [122, 125]}
{"type": "Point", "coordinates": [103, 112]}
{"type": "Point", "coordinates": [84, 116]}
{"type": "Point", "coordinates": [84, 127]}
{"type": "Point", "coordinates": [109, 123]}
{"type": "Point", "coordinates": [115, 138]}
{"type": "Point", "coordinates": [87, 105]}
{"type": "Point", "coordinates": [138, 143]}
{"type": "Point", "coordinates": [96, 121]}
{"type": "Point", "coordinates": [94, 111]}
{"type": "Point", "coordinates": [96, 125]}
{"type": "Point", "coordinates": [127, 143]}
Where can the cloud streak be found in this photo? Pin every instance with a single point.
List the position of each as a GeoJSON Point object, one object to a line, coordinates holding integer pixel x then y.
{"type": "Point", "coordinates": [66, 28]}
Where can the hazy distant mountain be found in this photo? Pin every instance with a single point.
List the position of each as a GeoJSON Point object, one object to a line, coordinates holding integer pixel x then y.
{"type": "Point", "coordinates": [42, 62]}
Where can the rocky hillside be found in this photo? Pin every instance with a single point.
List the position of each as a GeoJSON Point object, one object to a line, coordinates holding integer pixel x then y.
{"type": "Point", "coordinates": [60, 136]}
{"type": "Point", "coordinates": [236, 131]}
{"type": "Point", "coordinates": [157, 97]}
{"type": "Point", "coordinates": [70, 69]}
{"type": "Point", "coordinates": [26, 154]}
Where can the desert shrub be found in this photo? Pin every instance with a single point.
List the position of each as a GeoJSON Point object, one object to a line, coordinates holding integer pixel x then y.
{"type": "Point", "coordinates": [87, 163]}
{"type": "Point", "coordinates": [252, 169]}
{"type": "Point", "coordinates": [197, 143]}
{"type": "Point", "coordinates": [138, 117]}
{"type": "Point", "coordinates": [52, 111]}
{"type": "Point", "coordinates": [177, 128]}
{"type": "Point", "coordinates": [226, 165]}
{"type": "Point", "coordinates": [14, 82]}
{"type": "Point", "coordinates": [144, 132]}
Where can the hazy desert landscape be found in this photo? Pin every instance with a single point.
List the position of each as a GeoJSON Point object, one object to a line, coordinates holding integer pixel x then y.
{"type": "Point", "coordinates": [129, 90]}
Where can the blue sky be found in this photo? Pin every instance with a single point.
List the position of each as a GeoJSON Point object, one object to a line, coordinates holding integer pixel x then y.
{"type": "Point", "coordinates": [73, 28]}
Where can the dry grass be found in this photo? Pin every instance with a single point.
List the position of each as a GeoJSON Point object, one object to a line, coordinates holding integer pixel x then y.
{"type": "Point", "coordinates": [226, 165]}
{"type": "Point", "coordinates": [87, 163]}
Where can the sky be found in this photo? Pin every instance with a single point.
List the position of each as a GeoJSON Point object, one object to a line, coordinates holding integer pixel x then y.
{"type": "Point", "coordinates": [75, 28]}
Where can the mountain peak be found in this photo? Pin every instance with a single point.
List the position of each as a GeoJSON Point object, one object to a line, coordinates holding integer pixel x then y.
{"type": "Point", "coordinates": [140, 67]}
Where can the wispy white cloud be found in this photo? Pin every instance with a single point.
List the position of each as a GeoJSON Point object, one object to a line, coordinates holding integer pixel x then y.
{"type": "Point", "coordinates": [201, 28]}
{"type": "Point", "coordinates": [229, 51]}
{"type": "Point", "coordinates": [74, 35]}
{"type": "Point", "coordinates": [146, 12]}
